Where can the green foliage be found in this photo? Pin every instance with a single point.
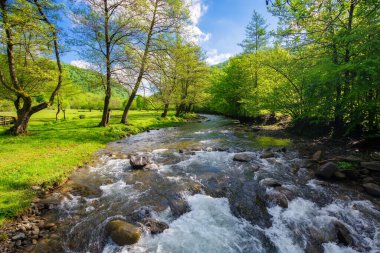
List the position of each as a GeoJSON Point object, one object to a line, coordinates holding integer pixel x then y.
{"type": "Point", "coordinates": [324, 70]}
{"type": "Point", "coordinates": [342, 165]}
{"type": "Point", "coordinates": [256, 34]}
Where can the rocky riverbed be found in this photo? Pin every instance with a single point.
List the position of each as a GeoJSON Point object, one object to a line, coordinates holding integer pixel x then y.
{"type": "Point", "coordinates": [210, 186]}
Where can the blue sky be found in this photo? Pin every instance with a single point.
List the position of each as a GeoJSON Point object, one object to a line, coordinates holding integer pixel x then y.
{"type": "Point", "coordinates": [217, 26]}
{"type": "Point", "coordinates": [225, 22]}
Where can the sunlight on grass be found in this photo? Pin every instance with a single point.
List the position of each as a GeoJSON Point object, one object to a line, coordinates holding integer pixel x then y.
{"type": "Point", "coordinates": [52, 150]}
{"type": "Point", "coordinates": [265, 141]}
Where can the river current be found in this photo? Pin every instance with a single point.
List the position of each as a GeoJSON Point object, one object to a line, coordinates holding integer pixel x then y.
{"type": "Point", "coordinates": [230, 210]}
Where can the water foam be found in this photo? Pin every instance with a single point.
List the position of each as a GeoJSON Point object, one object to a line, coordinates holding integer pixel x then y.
{"type": "Point", "coordinates": [208, 227]}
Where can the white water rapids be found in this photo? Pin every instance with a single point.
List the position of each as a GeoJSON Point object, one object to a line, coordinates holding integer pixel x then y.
{"type": "Point", "coordinates": [228, 214]}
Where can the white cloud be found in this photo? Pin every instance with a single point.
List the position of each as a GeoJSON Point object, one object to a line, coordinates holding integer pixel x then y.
{"type": "Point", "coordinates": [81, 64]}
{"type": "Point", "coordinates": [197, 10]}
{"type": "Point", "coordinates": [214, 57]}
{"type": "Point", "coordinates": [192, 32]}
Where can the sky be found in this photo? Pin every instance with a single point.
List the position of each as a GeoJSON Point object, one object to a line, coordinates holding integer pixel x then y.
{"type": "Point", "coordinates": [218, 26]}
{"type": "Point", "coordinates": [224, 22]}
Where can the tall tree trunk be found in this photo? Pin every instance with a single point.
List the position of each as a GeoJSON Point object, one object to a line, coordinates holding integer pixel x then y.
{"type": "Point", "coordinates": [27, 110]}
{"type": "Point", "coordinates": [124, 119]}
{"type": "Point", "coordinates": [58, 110]}
{"type": "Point", "coordinates": [107, 97]}
{"type": "Point", "coordinates": [23, 116]}
{"type": "Point", "coordinates": [165, 113]}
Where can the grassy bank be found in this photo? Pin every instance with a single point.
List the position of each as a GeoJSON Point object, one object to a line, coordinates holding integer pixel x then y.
{"type": "Point", "coordinates": [51, 150]}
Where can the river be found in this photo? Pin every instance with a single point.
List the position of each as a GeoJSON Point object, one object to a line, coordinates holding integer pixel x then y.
{"type": "Point", "coordinates": [231, 208]}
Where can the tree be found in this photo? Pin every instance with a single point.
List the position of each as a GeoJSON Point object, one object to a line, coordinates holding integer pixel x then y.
{"type": "Point", "coordinates": [157, 17]}
{"type": "Point", "coordinates": [256, 34]}
{"type": "Point", "coordinates": [337, 34]}
{"type": "Point", "coordinates": [28, 34]}
{"type": "Point", "coordinates": [103, 29]}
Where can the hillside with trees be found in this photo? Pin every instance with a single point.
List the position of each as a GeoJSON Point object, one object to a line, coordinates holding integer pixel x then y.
{"type": "Point", "coordinates": [321, 68]}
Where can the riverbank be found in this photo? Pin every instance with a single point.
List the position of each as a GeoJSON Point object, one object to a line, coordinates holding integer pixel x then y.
{"type": "Point", "coordinates": [222, 160]}
{"type": "Point", "coordinates": [53, 150]}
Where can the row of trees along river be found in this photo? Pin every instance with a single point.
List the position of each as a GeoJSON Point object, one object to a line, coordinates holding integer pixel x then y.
{"type": "Point", "coordinates": [320, 66]}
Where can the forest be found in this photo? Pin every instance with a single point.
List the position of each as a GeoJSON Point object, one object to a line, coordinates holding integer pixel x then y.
{"type": "Point", "coordinates": [320, 67]}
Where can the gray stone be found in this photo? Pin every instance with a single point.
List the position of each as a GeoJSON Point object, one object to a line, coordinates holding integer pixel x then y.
{"type": "Point", "coordinates": [317, 156]}
{"type": "Point", "coordinates": [139, 162]}
{"type": "Point", "coordinates": [141, 213]}
{"type": "Point", "coordinates": [372, 189]}
{"type": "Point", "coordinates": [368, 180]}
{"type": "Point", "coordinates": [267, 154]}
{"type": "Point", "coordinates": [151, 166]}
{"type": "Point", "coordinates": [343, 234]}
{"type": "Point", "coordinates": [270, 182]}
{"type": "Point", "coordinates": [339, 175]}
{"type": "Point", "coordinates": [242, 157]}
{"type": "Point", "coordinates": [374, 166]}
{"type": "Point", "coordinates": [327, 170]}
{"type": "Point", "coordinates": [178, 207]}
{"type": "Point", "coordinates": [155, 226]}
{"type": "Point", "coordinates": [18, 236]}
{"type": "Point", "coordinates": [277, 198]}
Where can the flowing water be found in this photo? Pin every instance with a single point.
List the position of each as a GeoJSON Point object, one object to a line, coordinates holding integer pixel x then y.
{"type": "Point", "coordinates": [230, 211]}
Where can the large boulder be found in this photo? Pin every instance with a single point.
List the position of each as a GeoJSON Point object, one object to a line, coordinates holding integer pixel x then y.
{"type": "Point", "coordinates": [373, 166]}
{"type": "Point", "coordinates": [155, 226]}
{"type": "Point", "coordinates": [327, 170]}
{"type": "Point", "coordinates": [343, 234]}
{"type": "Point", "coordinates": [139, 162]}
{"type": "Point", "coordinates": [123, 233]}
{"type": "Point", "coordinates": [372, 189]}
{"type": "Point", "coordinates": [242, 157]}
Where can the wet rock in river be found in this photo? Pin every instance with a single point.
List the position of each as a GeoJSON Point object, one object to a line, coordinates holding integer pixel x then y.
{"type": "Point", "coordinates": [151, 166]}
{"type": "Point", "coordinates": [351, 174]}
{"type": "Point", "coordinates": [343, 234]}
{"type": "Point", "coordinates": [278, 198]}
{"type": "Point", "coordinates": [312, 247]}
{"type": "Point", "coordinates": [373, 166]}
{"type": "Point", "coordinates": [270, 182]}
{"type": "Point", "coordinates": [141, 213]}
{"type": "Point", "coordinates": [290, 195]}
{"type": "Point", "coordinates": [340, 175]}
{"type": "Point", "coordinates": [123, 233]}
{"type": "Point", "coordinates": [317, 156]}
{"type": "Point", "coordinates": [368, 180]}
{"type": "Point", "coordinates": [372, 189]}
{"type": "Point", "coordinates": [139, 162]}
{"type": "Point", "coordinates": [327, 170]}
{"type": "Point", "coordinates": [155, 226]}
{"type": "Point", "coordinates": [178, 206]}
{"type": "Point", "coordinates": [267, 154]}
{"type": "Point", "coordinates": [243, 157]}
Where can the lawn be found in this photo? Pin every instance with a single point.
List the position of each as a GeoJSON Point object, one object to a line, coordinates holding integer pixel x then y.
{"type": "Point", "coordinates": [52, 150]}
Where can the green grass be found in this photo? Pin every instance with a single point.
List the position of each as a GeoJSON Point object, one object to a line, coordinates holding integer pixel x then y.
{"type": "Point", "coordinates": [342, 165]}
{"type": "Point", "coordinates": [52, 150]}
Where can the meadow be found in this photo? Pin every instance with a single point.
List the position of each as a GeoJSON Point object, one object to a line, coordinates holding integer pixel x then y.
{"type": "Point", "coordinates": [51, 150]}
